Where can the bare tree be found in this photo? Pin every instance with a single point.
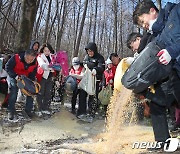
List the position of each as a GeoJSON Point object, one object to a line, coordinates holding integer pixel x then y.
{"type": "Point", "coordinates": [28, 15]}
{"type": "Point", "coordinates": [4, 24]}
{"type": "Point", "coordinates": [121, 27]}
{"type": "Point", "coordinates": [95, 20]}
{"type": "Point", "coordinates": [60, 30]}
{"type": "Point", "coordinates": [39, 18]}
{"type": "Point", "coordinates": [81, 29]}
{"type": "Point", "coordinates": [47, 22]}
{"type": "Point", "coordinates": [76, 22]}
{"type": "Point", "coordinates": [159, 4]}
{"type": "Point", "coordinates": [115, 11]}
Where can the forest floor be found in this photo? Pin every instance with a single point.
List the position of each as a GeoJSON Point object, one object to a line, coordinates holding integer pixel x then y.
{"type": "Point", "coordinates": [64, 133]}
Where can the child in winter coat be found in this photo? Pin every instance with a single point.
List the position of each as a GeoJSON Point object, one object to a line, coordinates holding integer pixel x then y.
{"type": "Point", "coordinates": [44, 60]}
{"type": "Point", "coordinates": [109, 74]}
{"type": "Point", "coordinates": [77, 72]}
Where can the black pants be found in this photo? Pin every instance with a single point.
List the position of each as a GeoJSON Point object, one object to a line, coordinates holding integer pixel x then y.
{"type": "Point", "coordinates": [74, 98]}
{"type": "Point", "coordinates": [44, 96]}
{"type": "Point", "coordinates": [160, 101]}
{"type": "Point", "coordinates": [159, 122]}
{"type": "Point", "coordinates": [175, 86]}
{"type": "Point", "coordinates": [92, 102]}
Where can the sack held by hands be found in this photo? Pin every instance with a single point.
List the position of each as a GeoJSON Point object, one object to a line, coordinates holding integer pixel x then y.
{"type": "Point", "coordinates": [88, 82]}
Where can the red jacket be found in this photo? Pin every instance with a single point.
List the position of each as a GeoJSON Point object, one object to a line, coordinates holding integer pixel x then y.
{"type": "Point", "coordinates": [19, 68]}
{"type": "Point", "coordinates": [78, 72]}
{"type": "Point", "coordinates": [109, 75]}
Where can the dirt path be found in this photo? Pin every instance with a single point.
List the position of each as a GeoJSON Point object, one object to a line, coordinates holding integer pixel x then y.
{"type": "Point", "coordinates": [64, 133]}
{"type": "Point", "coordinates": [62, 126]}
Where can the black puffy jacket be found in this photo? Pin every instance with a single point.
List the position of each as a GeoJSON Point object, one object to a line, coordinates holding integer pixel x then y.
{"type": "Point", "coordinates": [96, 62]}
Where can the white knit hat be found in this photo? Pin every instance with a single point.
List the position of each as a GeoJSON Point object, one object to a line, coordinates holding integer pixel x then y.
{"type": "Point", "coordinates": [108, 61]}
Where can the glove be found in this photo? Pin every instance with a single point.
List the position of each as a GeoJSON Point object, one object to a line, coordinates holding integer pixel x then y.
{"type": "Point", "coordinates": [164, 57]}
{"type": "Point", "coordinates": [57, 83]}
{"type": "Point", "coordinates": [17, 77]}
{"type": "Point", "coordinates": [93, 72]}
{"type": "Point", "coordinates": [111, 81]}
{"type": "Point", "coordinates": [85, 66]}
{"type": "Point", "coordinates": [129, 60]}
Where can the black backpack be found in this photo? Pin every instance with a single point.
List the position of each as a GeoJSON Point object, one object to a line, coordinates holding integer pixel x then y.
{"type": "Point", "coordinates": [145, 70]}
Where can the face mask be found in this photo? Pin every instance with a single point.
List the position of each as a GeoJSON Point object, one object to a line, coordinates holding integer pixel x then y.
{"type": "Point", "coordinates": [151, 22]}
{"type": "Point", "coordinates": [76, 67]}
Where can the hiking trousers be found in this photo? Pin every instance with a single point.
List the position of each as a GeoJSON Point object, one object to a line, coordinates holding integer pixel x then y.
{"type": "Point", "coordinates": [13, 96]}
{"type": "Point", "coordinates": [45, 94]}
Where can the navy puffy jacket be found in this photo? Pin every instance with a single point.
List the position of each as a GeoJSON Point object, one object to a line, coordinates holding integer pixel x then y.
{"type": "Point", "coordinates": [167, 29]}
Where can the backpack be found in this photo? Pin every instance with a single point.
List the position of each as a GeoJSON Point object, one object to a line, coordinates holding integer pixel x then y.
{"type": "Point", "coordinates": [145, 70]}
{"type": "Point", "coordinates": [27, 86]}
{"type": "Point", "coordinates": [62, 59]}
{"type": "Point", "coordinates": [105, 95]}
{"type": "Point", "coordinates": [70, 84]}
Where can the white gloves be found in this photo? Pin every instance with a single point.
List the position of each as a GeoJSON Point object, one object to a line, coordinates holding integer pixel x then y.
{"type": "Point", "coordinates": [129, 60]}
{"type": "Point", "coordinates": [85, 66]}
{"type": "Point", "coordinates": [164, 57]}
{"type": "Point", "coordinates": [111, 81]}
{"type": "Point", "coordinates": [94, 72]}
{"type": "Point", "coordinates": [17, 77]}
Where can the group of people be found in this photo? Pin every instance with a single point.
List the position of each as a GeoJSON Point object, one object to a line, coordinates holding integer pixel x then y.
{"type": "Point", "coordinates": [104, 72]}
{"type": "Point", "coordinates": [28, 63]}
{"type": "Point", "coordinates": [36, 64]}
{"type": "Point", "coordinates": [163, 29]}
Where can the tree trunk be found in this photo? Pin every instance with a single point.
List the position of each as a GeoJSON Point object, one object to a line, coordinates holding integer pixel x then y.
{"type": "Point", "coordinates": [81, 30]}
{"type": "Point", "coordinates": [95, 21]}
{"type": "Point", "coordinates": [60, 31]}
{"type": "Point", "coordinates": [37, 24]}
{"type": "Point", "coordinates": [4, 24]}
{"type": "Point", "coordinates": [53, 21]}
{"type": "Point", "coordinates": [76, 21]}
{"type": "Point", "coordinates": [115, 24]}
{"type": "Point", "coordinates": [28, 16]}
{"type": "Point", "coordinates": [47, 22]}
{"type": "Point", "coordinates": [121, 29]}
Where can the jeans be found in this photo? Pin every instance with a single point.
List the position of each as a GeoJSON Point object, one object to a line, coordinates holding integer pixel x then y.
{"type": "Point", "coordinates": [13, 97]}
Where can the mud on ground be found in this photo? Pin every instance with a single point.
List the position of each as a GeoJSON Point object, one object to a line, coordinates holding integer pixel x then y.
{"type": "Point", "coordinates": [62, 132]}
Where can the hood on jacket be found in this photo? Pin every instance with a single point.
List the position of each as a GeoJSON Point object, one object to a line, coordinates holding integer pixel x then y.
{"type": "Point", "coordinates": [163, 15]}
{"type": "Point", "coordinates": [92, 46]}
{"type": "Point", "coordinates": [32, 44]}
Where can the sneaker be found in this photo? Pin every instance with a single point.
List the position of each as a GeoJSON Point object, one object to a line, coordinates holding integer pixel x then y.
{"type": "Point", "coordinates": [89, 119]}
{"type": "Point", "coordinates": [11, 115]}
{"type": "Point", "coordinates": [175, 128]}
{"type": "Point", "coordinates": [73, 111]}
{"type": "Point", "coordinates": [39, 113]}
{"type": "Point", "coordinates": [85, 118]}
{"type": "Point", "coordinates": [46, 112]}
{"type": "Point", "coordinates": [29, 113]}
